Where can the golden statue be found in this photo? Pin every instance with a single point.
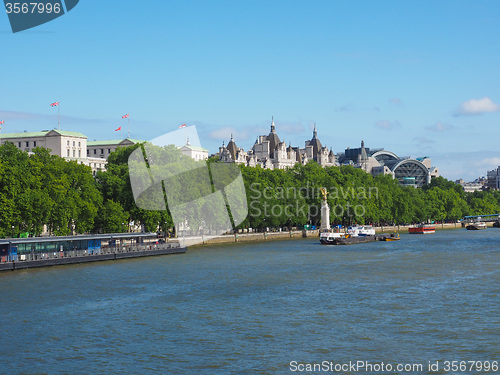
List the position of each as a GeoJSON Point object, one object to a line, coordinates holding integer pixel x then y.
{"type": "Point", "coordinates": [324, 192]}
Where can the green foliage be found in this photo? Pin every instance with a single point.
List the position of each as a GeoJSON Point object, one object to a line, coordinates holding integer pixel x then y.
{"type": "Point", "coordinates": [112, 218]}
{"type": "Point", "coordinates": [354, 197]}
{"type": "Point", "coordinates": [40, 189]}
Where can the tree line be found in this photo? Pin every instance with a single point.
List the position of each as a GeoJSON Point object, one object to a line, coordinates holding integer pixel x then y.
{"type": "Point", "coordinates": [41, 189]}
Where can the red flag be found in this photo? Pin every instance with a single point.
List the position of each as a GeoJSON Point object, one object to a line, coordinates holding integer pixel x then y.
{"type": "Point", "coordinates": [1, 122]}
{"type": "Point", "coordinates": [120, 128]}
{"type": "Point", "coordinates": [182, 126]}
{"type": "Point", "coordinates": [55, 104]}
{"type": "Point", "coordinates": [126, 116]}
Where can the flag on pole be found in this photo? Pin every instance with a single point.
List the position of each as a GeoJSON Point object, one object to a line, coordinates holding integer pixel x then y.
{"type": "Point", "coordinates": [182, 126]}
{"type": "Point", "coordinates": [55, 104]}
{"type": "Point", "coordinates": [120, 128]}
{"type": "Point", "coordinates": [126, 116]}
{"type": "Point", "coordinates": [1, 122]}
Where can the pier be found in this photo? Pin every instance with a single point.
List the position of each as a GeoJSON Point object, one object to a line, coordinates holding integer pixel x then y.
{"type": "Point", "coordinates": [22, 253]}
{"type": "Point", "coordinates": [485, 218]}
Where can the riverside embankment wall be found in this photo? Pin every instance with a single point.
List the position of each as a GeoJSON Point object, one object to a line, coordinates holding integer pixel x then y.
{"type": "Point", "coordinates": [252, 237]}
{"type": "Point", "coordinates": [284, 235]}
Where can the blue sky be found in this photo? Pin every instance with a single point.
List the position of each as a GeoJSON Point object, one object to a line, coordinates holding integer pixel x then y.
{"type": "Point", "coordinates": [419, 78]}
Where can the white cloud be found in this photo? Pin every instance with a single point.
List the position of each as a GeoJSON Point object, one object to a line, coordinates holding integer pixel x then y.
{"type": "Point", "coordinates": [488, 163]}
{"type": "Point", "coordinates": [290, 128]}
{"type": "Point", "coordinates": [423, 140]}
{"type": "Point", "coordinates": [224, 134]}
{"type": "Point", "coordinates": [477, 107]}
{"type": "Point", "coordinates": [344, 108]}
{"type": "Point", "coordinates": [440, 127]}
{"type": "Point", "coordinates": [11, 115]}
{"type": "Point", "coordinates": [466, 165]}
{"type": "Point", "coordinates": [387, 125]}
{"type": "Point", "coordinates": [395, 101]}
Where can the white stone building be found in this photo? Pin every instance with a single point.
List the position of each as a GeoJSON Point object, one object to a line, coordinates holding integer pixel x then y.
{"type": "Point", "coordinates": [102, 149]}
{"type": "Point", "coordinates": [196, 153]}
{"type": "Point", "coordinates": [270, 153]}
{"type": "Point", "coordinates": [65, 144]}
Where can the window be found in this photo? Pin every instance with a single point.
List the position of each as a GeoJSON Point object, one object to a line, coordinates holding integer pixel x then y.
{"type": "Point", "coordinates": [73, 153]}
{"type": "Point", "coordinates": [27, 144]}
{"type": "Point", "coordinates": [73, 143]}
{"type": "Point", "coordinates": [68, 152]}
{"type": "Point", "coordinates": [102, 151]}
{"type": "Point", "coordinates": [19, 144]}
{"type": "Point", "coordinates": [79, 153]}
{"type": "Point", "coordinates": [34, 143]}
{"type": "Point", "coordinates": [79, 144]}
{"type": "Point", "coordinates": [67, 143]}
{"type": "Point", "coordinates": [109, 151]}
{"type": "Point", "coordinates": [88, 152]}
{"type": "Point", "coordinates": [95, 151]}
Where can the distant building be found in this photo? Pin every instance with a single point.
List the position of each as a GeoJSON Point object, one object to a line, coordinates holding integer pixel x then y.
{"type": "Point", "coordinates": [61, 143]}
{"type": "Point", "coordinates": [270, 152]}
{"type": "Point", "coordinates": [65, 144]}
{"type": "Point", "coordinates": [410, 172]}
{"type": "Point", "coordinates": [493, 179]}
{"type": "Point", "coordinates": [470, 187]}
{"type": "Point", "coordinates": [196, 153]}
{"type": "Point", "coordinates": [102, 149]}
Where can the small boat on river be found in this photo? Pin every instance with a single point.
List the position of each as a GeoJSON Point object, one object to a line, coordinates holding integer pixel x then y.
{"type": "Point", "coordinates": [388, 237]}
{"type": "Point", "coordinates": [422, 229]}
{"type": "Point", "coordinates": [476, 225]}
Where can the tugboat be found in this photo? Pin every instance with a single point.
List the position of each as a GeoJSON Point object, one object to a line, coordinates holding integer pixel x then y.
{"type": "Point", "coordinates": [422, 229]}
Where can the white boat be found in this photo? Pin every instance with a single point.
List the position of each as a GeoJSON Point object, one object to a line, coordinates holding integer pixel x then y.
{"type": "Point", "coordinates": [476, 225]}
{"type": "Point", "coordinates": [361, 230]}
{"type": "Point", "coordinates": [329, 237]}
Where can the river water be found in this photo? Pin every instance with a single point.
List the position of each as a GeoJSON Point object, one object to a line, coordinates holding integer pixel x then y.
{"type": "Point", "coordinates": [260, 308]}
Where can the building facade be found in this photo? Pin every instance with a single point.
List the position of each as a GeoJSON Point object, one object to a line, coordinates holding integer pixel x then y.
{"type": "Point", "coordinates": [72, 146]}
{"type": "Point", "coordinates": [102, 149]}
{"type": "Point", "coordinates": [409, 172]}
{"type": "Point", "coordinates": [472, 186]}
{"type": "Point", "coordinates": [493, 179]}
{"type": "Point", "coordinates": [194, 152]}
{"type": "Point", "coordinates": [270, 152]}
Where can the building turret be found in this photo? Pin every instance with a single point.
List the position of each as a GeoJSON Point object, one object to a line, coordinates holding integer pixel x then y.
{"type": "Point", "coordinates": [273, 139]}
{"type": "Point", "coordinates": [232, 148]}
{"type": "Point", "coordinates": [315, 143]}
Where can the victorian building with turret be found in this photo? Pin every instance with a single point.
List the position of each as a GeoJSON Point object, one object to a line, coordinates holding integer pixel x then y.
{"type": "Point", "coordinates": [270, 152]}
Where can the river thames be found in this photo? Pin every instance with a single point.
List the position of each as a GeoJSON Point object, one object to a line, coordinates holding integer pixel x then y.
{"type": "Point", "coordinates": [261, 308]}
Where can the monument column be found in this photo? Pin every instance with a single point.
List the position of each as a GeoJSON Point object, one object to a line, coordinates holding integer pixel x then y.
{"type": "Point", "coordinates": [325, 212]}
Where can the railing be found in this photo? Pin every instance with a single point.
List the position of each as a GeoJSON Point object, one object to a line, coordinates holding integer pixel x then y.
{"type": "Point", "coordinates": [87, 252]}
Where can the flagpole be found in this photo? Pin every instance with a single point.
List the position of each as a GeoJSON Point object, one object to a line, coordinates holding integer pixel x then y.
{"type": "Point", "coordinates": [59, 116]}
{"type": "Point", "coordinates": [128, 120]}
